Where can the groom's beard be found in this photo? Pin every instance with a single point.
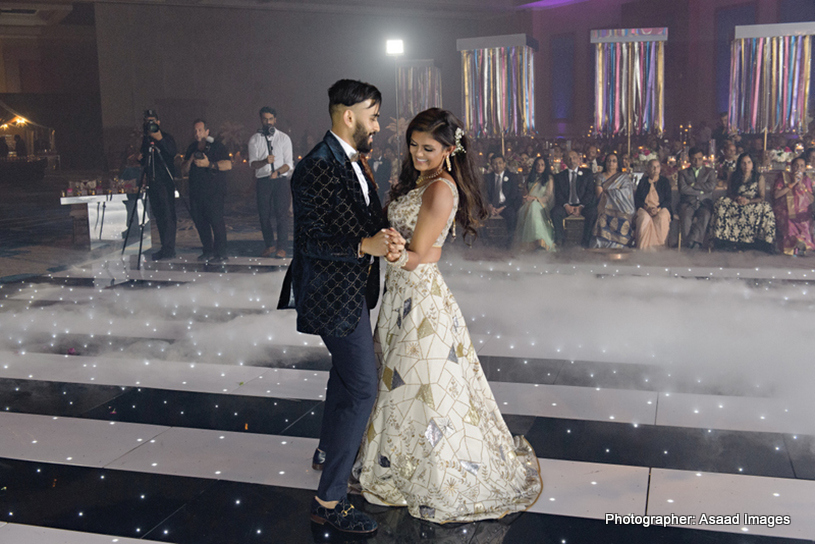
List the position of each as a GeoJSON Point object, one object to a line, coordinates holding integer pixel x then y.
{"type": "Point", "coordinates": [361, 139]}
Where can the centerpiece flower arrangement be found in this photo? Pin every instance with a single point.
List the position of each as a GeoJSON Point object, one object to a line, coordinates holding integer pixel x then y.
{"type": "Point", "coordinates": [645, 155]}
{"type": "Point", "coordinates": [783, 156]}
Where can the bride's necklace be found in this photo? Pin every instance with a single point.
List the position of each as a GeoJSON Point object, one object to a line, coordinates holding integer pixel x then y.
{"type": "Point", "coordinates": [425, 179]}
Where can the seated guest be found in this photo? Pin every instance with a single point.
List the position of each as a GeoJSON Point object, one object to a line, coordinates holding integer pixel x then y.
{"type": "Point", "coordinates": [729, 156]}
{"type": "Point", "coordinates": [503, 194]}
{"type": "Point", "coordinates": [721, 131]}
{"type": "Point", "coordinates": [557, 160]}
{"type": "Point", "coordinates": [535, 230]}
{"type": "Point", "coordinates": [653, 203]}
{"type": "Point", "coordinates": [4, 148]}
{"type": "Point", "coordinates": [792, 196]}
{"type": "Point", "coordinates": [696, 185]}
{"type": "Point", "coordinates": [743, 219]}
{"type": "Point", "coordinates": [574, 196]}
{"type": "Point", "coordinates": [626, 163]}
{"type": "Point", "coordinates": [615, 209]}
{"type": "Point", "coordinates": [592, 162]}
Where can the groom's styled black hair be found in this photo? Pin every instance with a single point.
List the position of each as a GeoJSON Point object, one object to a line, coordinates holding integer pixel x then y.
{"type": "Point", "coordinates": [347, 92]}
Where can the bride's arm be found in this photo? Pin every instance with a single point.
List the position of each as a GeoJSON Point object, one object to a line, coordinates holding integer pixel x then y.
{"type": "Point", "coordinates": [437, 202]}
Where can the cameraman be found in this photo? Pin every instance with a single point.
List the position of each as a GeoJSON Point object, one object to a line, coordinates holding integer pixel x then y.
{"type": "Point", "coordinates": [207, 162]}
{"type": "Point", "coordinates": [161, 190]}
{"type": "Point", "coordinates": [270, 154]}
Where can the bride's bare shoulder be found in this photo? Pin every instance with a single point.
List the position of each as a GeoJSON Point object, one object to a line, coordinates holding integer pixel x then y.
{"type": "Point", "coordinates": [439, 193]}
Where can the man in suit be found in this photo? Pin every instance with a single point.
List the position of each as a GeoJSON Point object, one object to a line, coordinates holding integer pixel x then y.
{"type": "Point", "coordinates": [339, 231]}
{"type": "Point", "coordinates": [574, 196]}
{"type": "Point", "coordinates": [696, 185]}
{"type": "Point", "coordinates": [503, 193]}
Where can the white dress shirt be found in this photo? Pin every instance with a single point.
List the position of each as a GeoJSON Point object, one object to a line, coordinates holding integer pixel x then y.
{"type": "Point", "coordinates": [281, 149]}
{"type": "Point", "coordinates": [357, 168]}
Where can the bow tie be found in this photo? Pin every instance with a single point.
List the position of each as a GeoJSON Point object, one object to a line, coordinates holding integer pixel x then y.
{"type": "Point", "coordinates": [354, 157]}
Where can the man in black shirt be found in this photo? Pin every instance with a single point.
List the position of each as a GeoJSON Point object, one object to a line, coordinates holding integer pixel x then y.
{"type": "Point", "coordinates": [207, 162]}
{"type": "Point", "coordinates": [161, 188]}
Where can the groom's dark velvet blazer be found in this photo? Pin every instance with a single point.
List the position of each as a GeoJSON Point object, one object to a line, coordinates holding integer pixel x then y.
{"type": "Point", "coordinates": [330, 283]}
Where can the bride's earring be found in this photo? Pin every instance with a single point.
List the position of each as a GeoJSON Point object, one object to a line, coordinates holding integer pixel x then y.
{"type": "Point", "coordinates": [447, 160]}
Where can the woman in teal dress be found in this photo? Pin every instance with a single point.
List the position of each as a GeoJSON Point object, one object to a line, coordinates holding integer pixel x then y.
{"type": "Point", "coordinates": [534, 229]}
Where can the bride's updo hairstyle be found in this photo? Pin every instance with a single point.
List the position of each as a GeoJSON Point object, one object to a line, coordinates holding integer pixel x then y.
{"type": "Point", "coordinates": [442, 125]}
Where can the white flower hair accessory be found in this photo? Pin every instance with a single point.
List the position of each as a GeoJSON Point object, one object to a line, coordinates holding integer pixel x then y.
{"type": "Point", "coordinates": [459, 148]}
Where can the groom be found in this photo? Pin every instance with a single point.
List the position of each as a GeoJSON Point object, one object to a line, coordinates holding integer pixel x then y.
{"type": "Point", "coordinates": [339, 231]}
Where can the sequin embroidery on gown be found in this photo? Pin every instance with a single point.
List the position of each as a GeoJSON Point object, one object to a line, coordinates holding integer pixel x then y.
{"type": "Point", "coordinates": [436, 441]}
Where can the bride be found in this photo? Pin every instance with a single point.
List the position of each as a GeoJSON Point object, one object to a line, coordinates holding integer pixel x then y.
{"type": "Point", "coordinates": [436, 441]}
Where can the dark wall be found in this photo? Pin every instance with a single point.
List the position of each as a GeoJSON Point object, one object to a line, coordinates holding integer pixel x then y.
{"type": "Point", "coordinates": [224, 64]}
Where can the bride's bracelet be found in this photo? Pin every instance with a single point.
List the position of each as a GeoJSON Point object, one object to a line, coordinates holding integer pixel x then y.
{"type": "Point", "coordinates": [401, 261]}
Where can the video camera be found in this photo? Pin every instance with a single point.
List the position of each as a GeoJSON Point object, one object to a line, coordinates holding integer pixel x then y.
{"type": "Point", "coordinates": [150, 126]}
{"type": "Point", "coordinates": [267, 130]}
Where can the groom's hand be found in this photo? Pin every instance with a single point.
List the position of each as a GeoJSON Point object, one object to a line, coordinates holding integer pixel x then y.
{"type": "Point", "coordinates": [377, 245]}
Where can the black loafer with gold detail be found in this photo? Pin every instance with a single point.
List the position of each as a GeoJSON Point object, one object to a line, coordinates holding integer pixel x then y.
{"type": "Point", "coordinates": [343, 517]}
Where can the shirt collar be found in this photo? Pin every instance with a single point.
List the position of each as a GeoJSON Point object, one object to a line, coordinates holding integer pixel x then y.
{"type": "Point", "coordinates": [345, 145]}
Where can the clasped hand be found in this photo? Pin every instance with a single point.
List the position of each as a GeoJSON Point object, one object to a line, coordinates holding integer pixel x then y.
{"type": "Point", "coordinates": [386, 243]}
{"type": "Point", "coordinates": [572, 210]}
{"type": "Point", "coordinates": [202, 163]}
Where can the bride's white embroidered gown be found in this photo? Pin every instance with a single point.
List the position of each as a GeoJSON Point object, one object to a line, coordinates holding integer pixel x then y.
{"type": "Point", "coordinates": [436, 441]}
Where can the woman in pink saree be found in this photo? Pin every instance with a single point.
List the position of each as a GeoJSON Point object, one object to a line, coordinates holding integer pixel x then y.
{"type": "Point", "coordinates": [792, 204]}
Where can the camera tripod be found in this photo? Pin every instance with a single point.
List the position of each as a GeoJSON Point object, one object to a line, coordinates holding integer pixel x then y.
{"type": "Point", "coordinates": [148, 177]}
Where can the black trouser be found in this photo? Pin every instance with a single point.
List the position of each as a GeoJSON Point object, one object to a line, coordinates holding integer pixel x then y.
{"type": "Point", "coordinates": [274, 196]}
{"type": "Point", "coordinates": [589, 213]}
{"type": "Point", "coordinates": [207, 209]}
{"type": "Point", "coordinates": [349, 399]}
{"type": "Point", "coordinates": [161, 193]}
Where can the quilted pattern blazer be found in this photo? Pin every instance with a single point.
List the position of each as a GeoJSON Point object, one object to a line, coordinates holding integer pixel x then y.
{"type": "Point", "coordinates": [330, 283]}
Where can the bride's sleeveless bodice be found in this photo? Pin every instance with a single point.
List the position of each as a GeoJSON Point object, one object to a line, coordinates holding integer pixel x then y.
{"type": "Point", "coordinates": [404, 212]}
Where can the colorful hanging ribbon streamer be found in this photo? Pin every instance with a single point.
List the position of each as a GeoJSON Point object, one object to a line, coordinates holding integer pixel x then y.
{"type": "Point", "coordinates": [499, 91]}
{"type": "Point", "coordinates": [419, 88]}
{"type": "Point", "coordinates": [629, 88]}
{"type": "Point", "coordinates": [770, 84]}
